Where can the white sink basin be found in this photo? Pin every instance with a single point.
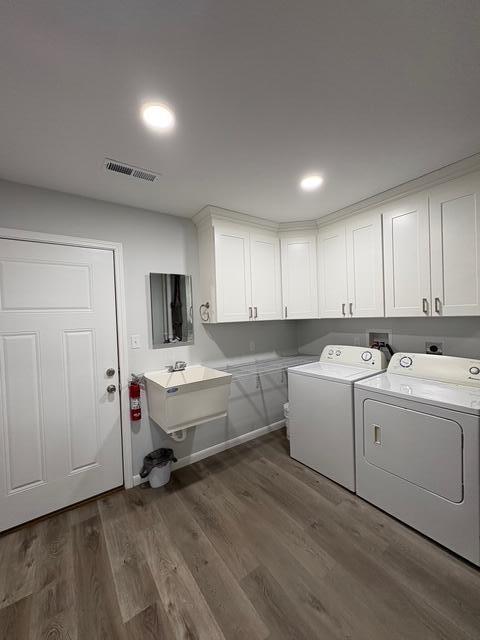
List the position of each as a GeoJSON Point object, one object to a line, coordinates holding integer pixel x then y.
{"type": "Point", "coordinates": [187, 398]}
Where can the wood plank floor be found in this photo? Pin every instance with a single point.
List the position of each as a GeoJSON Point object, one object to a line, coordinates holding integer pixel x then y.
{"type": "Point", "coordinates": [249, 544]}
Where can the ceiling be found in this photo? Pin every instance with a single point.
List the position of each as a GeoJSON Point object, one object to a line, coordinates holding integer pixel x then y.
{"type": "Point", "coordinates": [369, 94]}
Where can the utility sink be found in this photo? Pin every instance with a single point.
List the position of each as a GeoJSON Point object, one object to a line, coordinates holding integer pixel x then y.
{"type": "Point", "coordinates": [181, 399]}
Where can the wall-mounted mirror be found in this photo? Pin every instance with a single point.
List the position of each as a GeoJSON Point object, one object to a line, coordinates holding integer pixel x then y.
{"type": "Point", "coordinates": [172, 309]}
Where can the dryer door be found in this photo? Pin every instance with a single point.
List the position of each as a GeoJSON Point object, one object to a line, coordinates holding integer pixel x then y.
{"type": "Point", "coordinates": [420, 448]}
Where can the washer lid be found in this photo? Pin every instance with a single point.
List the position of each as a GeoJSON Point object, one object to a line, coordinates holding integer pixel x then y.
{"type": "Point", "coordinates": [439, 394]}
{"type": "Point", "coordinates": [332, 371]}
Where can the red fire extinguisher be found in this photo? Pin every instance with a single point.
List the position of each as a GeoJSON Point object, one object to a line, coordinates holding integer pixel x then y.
{"type": "Point", "coordinates": [134, 395]}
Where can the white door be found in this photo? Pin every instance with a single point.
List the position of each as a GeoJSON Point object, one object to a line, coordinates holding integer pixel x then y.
{"type": "Point", "coordinates": [60, 432]}
{"type": "Point", "coordinates": [365, 265]}
{"type": "Point", "coordinates": [266, 277]}
{"type": "Point", "coordinates": [299, 276]}
{"type": "Point", "coordinates": [406, 242]}
{"type": "Point", "coordinates": [233, 277]}
{"type": "Point", "coordinates": [455, 247]}
{"type": "Point", "coordinates": [332, 272]}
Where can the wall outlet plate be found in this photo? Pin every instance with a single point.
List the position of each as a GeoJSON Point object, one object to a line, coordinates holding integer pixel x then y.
{"type": "Point", "coordinates": [434, 348]}
{"type": "Point", "coordinates": [135, 341]}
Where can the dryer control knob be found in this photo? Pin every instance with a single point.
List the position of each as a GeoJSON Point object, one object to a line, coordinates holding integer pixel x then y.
{"type": "Point", "coordinates": [338, 352]}
{"type": "Point", "coordinates": [330, 352]}
{"type": "Point", "coordinates": [406, 362]}
{"type": "Point", "coordinates": [366, 355]}
{"type": "Point", "coordinates": [474, 371]}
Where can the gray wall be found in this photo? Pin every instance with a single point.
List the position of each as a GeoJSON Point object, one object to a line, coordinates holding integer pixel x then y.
{"type": "Point", "coordinates": [460, 336]}
{"type": "Point", "coordinates": [160, 243]}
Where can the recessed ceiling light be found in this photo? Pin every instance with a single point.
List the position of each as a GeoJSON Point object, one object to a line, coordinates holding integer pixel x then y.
{"type": "Point", "coordinates": [158, 117]}
{"type": "Point", "coordinates": [310, 183]}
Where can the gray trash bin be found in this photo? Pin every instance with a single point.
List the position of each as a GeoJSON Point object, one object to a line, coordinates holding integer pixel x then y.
{"type": "Point", "coordinates": [157, 466]}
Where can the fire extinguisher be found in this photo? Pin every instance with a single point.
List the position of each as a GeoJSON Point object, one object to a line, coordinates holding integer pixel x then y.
{"type": "Point", "coordinates": [134, 395]}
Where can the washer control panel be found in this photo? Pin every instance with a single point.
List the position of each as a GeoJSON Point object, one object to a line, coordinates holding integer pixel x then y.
{"type": "Point", "coordinates": [464, 371]}
{"type": "Point", "coordinates": [354, 356]}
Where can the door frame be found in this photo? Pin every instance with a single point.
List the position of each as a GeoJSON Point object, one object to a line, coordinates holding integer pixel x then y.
{"type": "Point", "coordinates": [120, 313]}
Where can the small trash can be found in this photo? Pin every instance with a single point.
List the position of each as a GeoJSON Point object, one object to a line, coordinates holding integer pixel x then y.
{"type": "Point", "coordinates": [287, 421]}
{"type": "Point", "coordinates": [157, 466]}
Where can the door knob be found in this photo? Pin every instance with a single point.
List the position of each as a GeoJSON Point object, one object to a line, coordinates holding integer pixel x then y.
{"type": "Point", "coordinates": [111, 388]}
{"type": "Point", "coordinates": [110, 372]}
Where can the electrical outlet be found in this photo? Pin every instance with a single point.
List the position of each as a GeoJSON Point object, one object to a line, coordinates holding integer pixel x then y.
{"type": "Point", "coordinates": [434, 348]}
{"type": "Point", "coordinates": [135, 341]}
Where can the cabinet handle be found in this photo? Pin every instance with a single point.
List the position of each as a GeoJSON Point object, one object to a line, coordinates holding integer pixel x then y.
{"type": "Point", "coordinates": [437, 305]}
{"type": "Point", "coordinates": [343, 308]}
{"type": "Point", "coordinates": [286, 314]}
{"type": "Point", "coordinates": [424, 305]}
{"type": "Point", "coordinates": [249, 313]}
{"type": "Point", "coordinates": [351, 308]}
{"type": "Point", "coordinates": [255, 313]}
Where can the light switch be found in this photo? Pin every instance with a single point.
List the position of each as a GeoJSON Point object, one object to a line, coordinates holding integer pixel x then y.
{"type": "Point", "coordinates": [135, 341]}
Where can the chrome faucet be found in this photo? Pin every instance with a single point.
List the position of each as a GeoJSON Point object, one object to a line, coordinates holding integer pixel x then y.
{"type": "Point", "coordinates": [180, 365]}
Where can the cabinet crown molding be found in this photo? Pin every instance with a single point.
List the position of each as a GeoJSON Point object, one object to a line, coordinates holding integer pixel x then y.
{"type": "Point", "coordinates": [210, 214]}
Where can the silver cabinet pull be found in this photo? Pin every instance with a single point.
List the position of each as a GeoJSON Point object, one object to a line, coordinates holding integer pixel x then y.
{"type": "Point", "coordinates": [343, 308]}
{"type": "Point", "coordinates": [249, 313]}
{"type": "Point", "coordinates": [111, 388]}
{"type": "Point", "coordinates": [437, 305]}
{"type": "Point", "coordinates": [351, 308]}
{"type": "Point", "coordinates": [377, 435]}
{"type": "Point", "coordinates": [424, 305]}
{"type": "Point", "coordinates": [255, 313]}
{"type": "Point", "coordinates": [110, 372]}
{"type": "Point", "coordinates": [286, 314]}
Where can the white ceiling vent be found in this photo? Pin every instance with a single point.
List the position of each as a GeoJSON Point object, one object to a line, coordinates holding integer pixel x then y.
{"type": "Point", "coordinates": [130, 170]}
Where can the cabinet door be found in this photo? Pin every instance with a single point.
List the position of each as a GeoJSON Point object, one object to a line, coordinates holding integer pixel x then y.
{"type": "Point", "coordinates": [266, 277]}
{"type": "Point", "coordinates": [332, 272]}
{"type": "Point", "coordinates": [365, 265]}
{"type": "Point", "coordinates": [299, 276]}
{"type": "Point", "coordinates": [455, 252]}
{"type": "Point", "coordinates": [232, 270]}
{"type": "Point", "coordinates": [406, 243]}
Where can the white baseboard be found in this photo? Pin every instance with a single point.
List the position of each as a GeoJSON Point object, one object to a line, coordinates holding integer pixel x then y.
{"type": "Point", "coordinates": [218, 448]}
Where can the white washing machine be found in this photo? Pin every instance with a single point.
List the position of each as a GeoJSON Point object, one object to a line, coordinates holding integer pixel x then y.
{"type": "Point", "coordinates": [320, 396]}
{"type": "Point", "coordinates": [417, 446]}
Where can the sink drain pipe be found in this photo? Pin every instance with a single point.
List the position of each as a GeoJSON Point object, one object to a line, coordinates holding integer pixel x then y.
{"type": "Point", "coordinates": [179, 436]}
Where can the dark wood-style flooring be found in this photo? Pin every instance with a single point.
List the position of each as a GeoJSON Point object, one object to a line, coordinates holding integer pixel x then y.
{"type": "Point", "coordinates": [246, 545]}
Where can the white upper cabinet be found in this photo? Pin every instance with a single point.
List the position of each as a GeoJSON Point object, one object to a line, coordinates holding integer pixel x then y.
{"type": "Point", "coordinates": [240, 278]}
{"type": "Point", "coordinates": [416, 256]}
{"type": "Point", "coordinates": [266, 280]}
{"type": "Point", "coordinates": [351, 268]}
{"type": "Point", "coordinates": [299, 276]}
{"type": "Point", "coordinates": [365, 265]}
{"type": "Point", "coordinates": [332, 272]}
{"type": "Point", "coordinates": [233, 273]}
{"type": "Point", "coordinates": [406, 243]}
{"type": "Point", "coordinates": [455, 247]}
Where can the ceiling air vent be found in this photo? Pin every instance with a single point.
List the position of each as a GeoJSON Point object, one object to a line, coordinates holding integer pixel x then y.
{"type": "Point", "coordinates": [130, 170]}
